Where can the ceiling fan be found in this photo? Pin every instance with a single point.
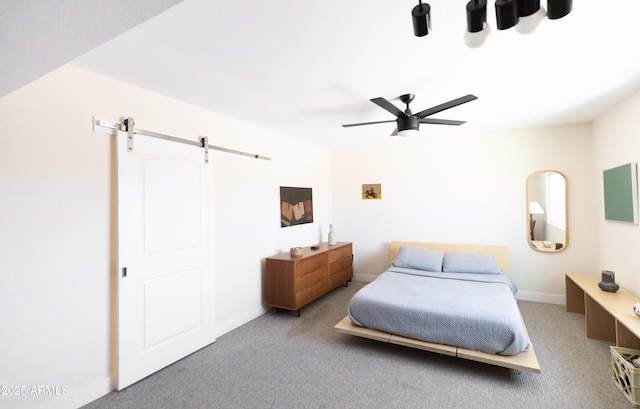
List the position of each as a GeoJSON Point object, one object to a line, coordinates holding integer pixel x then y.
{"type": "Point", "coordinates": [408, 122]}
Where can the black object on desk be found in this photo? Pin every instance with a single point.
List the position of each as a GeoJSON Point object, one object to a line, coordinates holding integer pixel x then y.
{"type": "Point", "coordinates": [608, 282]}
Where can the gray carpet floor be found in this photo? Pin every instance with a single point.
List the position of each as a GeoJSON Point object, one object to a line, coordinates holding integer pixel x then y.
{"type": "Point", "coordinates": [281, 361]}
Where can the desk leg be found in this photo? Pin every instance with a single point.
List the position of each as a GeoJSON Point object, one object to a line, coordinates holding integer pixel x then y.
{"type": "Point", "coordinates": [600, 324]}
{"type": "Point", "coordinates": [626, 338]}
{"type": "Point", "coordinates": [575, 296]}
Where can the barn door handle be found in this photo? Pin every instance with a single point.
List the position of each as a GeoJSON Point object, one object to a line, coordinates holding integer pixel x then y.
{"type": "Point", "coordinates": [124, 272]}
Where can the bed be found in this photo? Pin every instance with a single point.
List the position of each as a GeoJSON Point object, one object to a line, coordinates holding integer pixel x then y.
{"type": "Point", "coordinates": [413, 304]}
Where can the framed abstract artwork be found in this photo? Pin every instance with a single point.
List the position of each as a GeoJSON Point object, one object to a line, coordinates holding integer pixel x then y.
{"type": "Point", "coordinates": [621, 193]}
{"type": "Point", "coordinates": [296, 206]}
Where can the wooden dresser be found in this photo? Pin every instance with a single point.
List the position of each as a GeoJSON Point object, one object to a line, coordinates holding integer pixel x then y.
{"type": "Point", "coordinates": [291, 282]}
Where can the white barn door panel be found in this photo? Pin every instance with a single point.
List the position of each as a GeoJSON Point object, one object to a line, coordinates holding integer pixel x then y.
{"type": "Point", "coordinates": [165, 251]}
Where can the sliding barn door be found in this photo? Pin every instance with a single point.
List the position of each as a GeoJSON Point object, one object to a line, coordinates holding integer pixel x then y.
{"type": "Point", "coordinates": [165, 240]}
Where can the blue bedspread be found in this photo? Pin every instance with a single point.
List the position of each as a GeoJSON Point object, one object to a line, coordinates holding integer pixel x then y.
{"type": "Point", "coordinates": [472, 311]}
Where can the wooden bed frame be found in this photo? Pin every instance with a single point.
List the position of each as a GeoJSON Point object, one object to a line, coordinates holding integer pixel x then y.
{"type": "Point", "coordinates": [526, 361]}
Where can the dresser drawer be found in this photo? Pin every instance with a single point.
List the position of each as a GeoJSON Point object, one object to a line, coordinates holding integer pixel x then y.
{"type": "Point", "coordinates": [311, 279]}
{"type": "Point", "coordinates": [311, 293]}
{"type": "Point", "coordinates": [337, 266]}
{"type": "Point", "coordinates": [340, 253]}
{"type": "Point", "coordinates": [310, 265]}
{"type": "Point", "coordinates": [341, 277]}
{"type": "Point", "coordinates": [340, 271]}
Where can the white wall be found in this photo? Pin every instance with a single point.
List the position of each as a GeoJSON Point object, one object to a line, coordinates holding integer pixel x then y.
{"type": "Point", "coordinates": [616, 141]}
{"type": "Point", "coordinates": [466, 189]}
{"type": "Point", "coordinates": [57, 218]}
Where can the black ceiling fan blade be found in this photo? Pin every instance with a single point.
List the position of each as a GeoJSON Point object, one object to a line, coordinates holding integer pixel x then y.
{"type": "Point", "coordinates": [369, 123]}
{"type": "Point", "coordinates": [434, 121]}
{"type": "Point", "coordinates": [446, 105]}
{"type": "Point", "coordinates": [383, 103]}
{"type": "Point", "coordinates": [395, 132]}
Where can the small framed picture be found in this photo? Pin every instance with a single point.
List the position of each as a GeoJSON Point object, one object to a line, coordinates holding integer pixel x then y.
{"type": "Point", "coordinates": [372, 191]}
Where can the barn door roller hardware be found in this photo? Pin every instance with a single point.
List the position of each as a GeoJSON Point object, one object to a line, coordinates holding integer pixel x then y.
{"type": "Point", "coordinates": [128, 125]}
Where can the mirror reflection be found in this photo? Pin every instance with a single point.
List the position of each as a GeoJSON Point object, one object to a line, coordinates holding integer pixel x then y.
{"type": "Point", "coordinates": [547, 211]}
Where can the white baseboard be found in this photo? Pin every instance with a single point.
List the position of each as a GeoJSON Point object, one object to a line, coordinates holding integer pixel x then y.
{"type": "Point", "coordinates": [367, 278]}
{"type": "Point", "coordinates": [543, 298]}
{"type": "Point", "coordinates": [224, 327]}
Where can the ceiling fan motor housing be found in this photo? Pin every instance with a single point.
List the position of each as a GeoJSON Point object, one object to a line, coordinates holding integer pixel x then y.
{"type": "Point", "coordinates": [409, 122]}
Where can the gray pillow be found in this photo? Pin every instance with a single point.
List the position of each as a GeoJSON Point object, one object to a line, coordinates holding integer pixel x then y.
{"type": "Point", "coordinates": [419, 259]}
{"type": "Point", "coordinates": [470, 263]}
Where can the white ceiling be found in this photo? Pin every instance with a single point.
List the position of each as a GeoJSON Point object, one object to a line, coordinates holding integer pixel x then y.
{"type": "Point", "coordinates": [305, 68]}
{"type": "Point", "coordinates": [38, 36]}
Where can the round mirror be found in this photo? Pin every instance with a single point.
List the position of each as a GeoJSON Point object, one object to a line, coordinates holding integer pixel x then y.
{"type": "Point", "coordinates": [547, 214]}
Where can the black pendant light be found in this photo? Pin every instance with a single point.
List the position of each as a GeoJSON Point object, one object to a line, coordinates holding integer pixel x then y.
{"type": "Point", "coordinates": [506, 14]}
{"type": "Point", "coordinates": [476, 15]}
{"type": "Point", "coordinates": [558, 8]}
{"type": "Point", "coordinates": [528, 7]}
{"type": "Point", "coordinates": [421, 15]}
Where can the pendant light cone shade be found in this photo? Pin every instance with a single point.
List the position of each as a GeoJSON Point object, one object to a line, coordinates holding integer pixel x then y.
{"type": "Point", "coordinates": [558, 8]}
{"type": "Point", "coordinates": [421, 15]}
{"type": "Point", "coordinates": [529, 24]}
{"type": "Point", "coordinates": [506, 14]}
{"type": "Point", "coordinates": [476, 15]}
{"type": "Point", "coordinates": [527, 7]}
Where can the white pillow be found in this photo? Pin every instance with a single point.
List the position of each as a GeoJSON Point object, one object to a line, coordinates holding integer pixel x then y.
{"type": "Point", "coordinates": [470, 263]}
{"type": "Point", "coordinates": [419, 259]}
